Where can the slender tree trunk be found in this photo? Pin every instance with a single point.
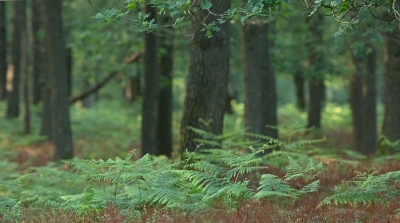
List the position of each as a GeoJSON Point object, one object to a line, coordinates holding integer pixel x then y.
{"type": "Point", "coordinates": [68, 57]}
{"type": "Point", "coordinates": [87, 102]}
{"type": "Point", "coordinates": [259, 80]}
{"type": "Point", "coordinates": [300, 92]}
{"type": "Point", "coordinates": [37, 52]}
{"type": "Point", "coordinates": [55, 47]}
{"type": "Point", "coordinates": [134, 85]}
{"type": "Point", "coordinates": [208, 78]}
{"type": "Point", "coordinates": [25, 81]}
{"type": "Point", "coordinates": [3, 51]}
{"type": "Point", "coordinates": [164, 109]}
{"type": "Point", "coordinates": [18, 24]}
{"type": "Point", "coordinates": [356, 100]}
{"type": "Point", "coordinates": [391, 122]}
{"type": "Point", "coordinates": [316, 60]}
{"type": "Point", "coordinates": [369, 144]}
{"type": "Point", "coordinates": [149, 109]}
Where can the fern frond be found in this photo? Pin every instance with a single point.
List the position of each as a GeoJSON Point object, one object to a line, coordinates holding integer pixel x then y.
{"type": "Point", "coordinates": [272, 186]}
{"type": "Point", "coordinates": [355, 197]}
{"type": "Point", "coordinates": [311, 187]}
{"type": "Point", "coordinates": [294, 170]}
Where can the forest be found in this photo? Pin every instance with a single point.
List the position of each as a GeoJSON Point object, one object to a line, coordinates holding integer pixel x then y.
{"type": "Point", "coordinates": [199, 111]}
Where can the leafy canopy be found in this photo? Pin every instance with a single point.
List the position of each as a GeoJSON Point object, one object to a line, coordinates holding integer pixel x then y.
{"type": "Point", "coordinates": [182, 10]}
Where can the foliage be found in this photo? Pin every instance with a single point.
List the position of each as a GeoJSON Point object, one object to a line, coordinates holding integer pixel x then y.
{"type": "Point", "coordinates": [181, 11]}
{"type": "Point", "coordinates": [373, 188]}
{"type": "Point", "coordinates": [91, 185]}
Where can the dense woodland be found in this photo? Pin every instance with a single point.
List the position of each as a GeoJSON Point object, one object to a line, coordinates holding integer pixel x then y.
{"type": "Point", "coordinates": [248, 111]}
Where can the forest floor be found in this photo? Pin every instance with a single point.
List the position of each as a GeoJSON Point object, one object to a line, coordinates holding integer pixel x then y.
{"type": "Point", "coordinates": [341, 165]}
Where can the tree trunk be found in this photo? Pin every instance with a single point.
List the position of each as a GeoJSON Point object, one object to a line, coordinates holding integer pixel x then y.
{"type": "Point", "coordinates": [369, 144]}
{"type": "Point", "coordinates": [68, 57]}
{"type": "Point", "coordinates": [356, 100]}
{"type": "Point", "coordinates": [363, 98]}
{"type": "Point", "coordinates": [3, 51]}
{"type": "Point", "coordinates": [259, 80]}
{"type": "Point", "coordinates": [391, 122]}
{"type": "Point", "coordinates": [18, 24]}
{"type": "Point", "coordinates": [164, 109]}
{"type": "Point", "coordinates": [25, 79]}
{"type": "Point", "coordinates": [55, 47]}
{"type": "Point", "coordinates": [149, 109]}
{"type": "Point", "coordinates": [87, 102]}
{"type": "Point", "coordinates": [134, 85]}
{"type": "Point", "coordinates": [300, 92]}
{"type": "Point", "coordinates": [37, 52]}
{"type": "Point", "coordinates": [316, 60]}
{"type": "Point", "coordinates": [208, 78]}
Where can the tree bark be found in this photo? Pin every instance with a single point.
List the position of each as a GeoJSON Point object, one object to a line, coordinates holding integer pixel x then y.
{"type": "Point", "coordinates": [259, 81]}
{"type": "Point", "coordinates": [55, 47]}
{"type": "Point", "coordinates": [25, 80]}
{"type": "Point", "coordinates": [300, 92]}
{"type": "Point", "coordinates": [391, 122]}
{"type": "Point", "coordinates": [37, 52]}
{"type": "Point", "coordinates": [356, 100]}
{"type": "Point", "coordinates": [369, 144]}
{"type": "Point", "coordinates": [164, 108]}
{"type": "Point", "coordinates": [3, 51]}
{"type": "Point", "coordinates": [208, 78]}
{"type": "Point", "coordinates": [363, 98]}
{"type": "Point", "coordinates": [18, 24]}
{"type": "Point", "coordinates": [149, 107]}
{"type": "Point", "coordinates": [316, 60]}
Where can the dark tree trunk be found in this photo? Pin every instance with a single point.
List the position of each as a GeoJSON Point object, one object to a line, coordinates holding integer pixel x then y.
{"type": "Point", "coordinates": [316, 100]}
{"type": "Point", "coordinates": [316, 60]}
{"type": "Point", "coordinates": [134, 83]}
{"type": "Point", "coordinates": [208, 78]}
{"type": "Point", "coordinates": [363, 99]}
{"type": "Point", "coordinates": [391, 122]}
{"type": "Point", "coordinates": [164, 109]}
{"type": "Point", "coordinates": [300, 92]}
{"type": "Point", "coordinates": [356, 100]}
{"type": "Point", "coordinates": [45, 84]}
{"type": "Point", "coordinates": [230, 95]}
{"type": "Point", "coordinates": [25, 80]}
{"type": "Point", "coordinates": [369, 144]}
{"type": "Point", "coordinates": [69, 69]}
{"type": "Point", "coordinates": [3, 51]}
{"type": "Point", "coordinates": [18, 24]}
{"type": "Point", "coordinates": [55, 47]}
{"type": "Point", "coordinates": [259, 80]}
{"type": "Point", "coordinates": [149, 109]}
{"type": "Point", "coordinates": [37, 52]}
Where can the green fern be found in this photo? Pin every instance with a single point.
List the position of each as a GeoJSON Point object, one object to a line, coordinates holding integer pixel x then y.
{"type": "Point", "coordinates": [373, 189]}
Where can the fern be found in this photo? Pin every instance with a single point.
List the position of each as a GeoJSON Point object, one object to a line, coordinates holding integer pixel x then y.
{"type": "Point", "coordinates": [373, 189]}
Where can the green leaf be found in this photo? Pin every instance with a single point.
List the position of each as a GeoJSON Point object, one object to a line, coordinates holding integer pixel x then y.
{"type": "Point", "coordinates": [205, 4]}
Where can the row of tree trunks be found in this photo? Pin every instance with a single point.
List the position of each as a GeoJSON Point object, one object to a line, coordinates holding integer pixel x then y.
{"type": "Point", "coordinates": [3, 50]}
{"type": "Point", "coordinates": [208, 78]}
{"type": "Point", "coordinates": [259, 80]}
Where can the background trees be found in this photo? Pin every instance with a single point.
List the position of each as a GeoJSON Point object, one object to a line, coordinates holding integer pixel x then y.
{"type": "Point", "coordinates": [268, 68]}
